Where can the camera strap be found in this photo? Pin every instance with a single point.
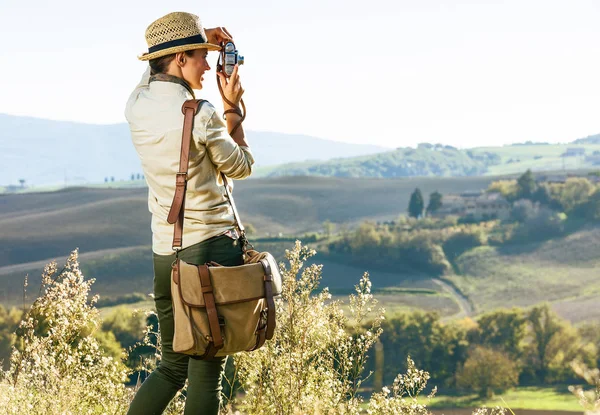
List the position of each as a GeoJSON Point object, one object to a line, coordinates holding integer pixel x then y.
{"type": "Point", "coordinates": [235, 109]}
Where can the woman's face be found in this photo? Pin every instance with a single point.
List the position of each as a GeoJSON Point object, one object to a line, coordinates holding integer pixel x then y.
{"type": "Point", "coordinates": [194, 68]}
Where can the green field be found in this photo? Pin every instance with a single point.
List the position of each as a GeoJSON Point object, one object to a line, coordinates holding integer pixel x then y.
{"type": "Point", "coordinates": [557, 399]}
{"type": "Point", "coordinates": [440, 160]}
{"type": "Point", "coordinates": [517, 159]}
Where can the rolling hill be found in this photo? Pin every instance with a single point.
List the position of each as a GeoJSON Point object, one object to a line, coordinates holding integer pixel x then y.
{"type": "Point", "coordinates": [440, 160]}
{"type": "Point", "coordinates": [37, 226]}
{"type": "Point", "coordinates": [111, 229]}
{"type": "Point", "coordinates": [60, 152]}
{"type": "Point", "coordinates": [109, 223]}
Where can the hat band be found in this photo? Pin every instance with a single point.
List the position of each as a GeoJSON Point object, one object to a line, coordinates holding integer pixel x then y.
{"type": "Point", "coordinates": [177, 42]}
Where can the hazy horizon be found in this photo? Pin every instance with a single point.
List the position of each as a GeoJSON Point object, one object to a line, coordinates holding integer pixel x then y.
{"type": "Point", "coordinates": [388, 73]}
{"type": "Point", "coordinates": [384, 145]}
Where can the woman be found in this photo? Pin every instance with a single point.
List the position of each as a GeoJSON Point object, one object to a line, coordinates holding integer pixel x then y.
{"type": "Point", "coordinates": [177, 52]}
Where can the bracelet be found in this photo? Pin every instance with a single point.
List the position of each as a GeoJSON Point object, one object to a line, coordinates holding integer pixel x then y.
{"type": "Point", "coordinates": [232, 111]}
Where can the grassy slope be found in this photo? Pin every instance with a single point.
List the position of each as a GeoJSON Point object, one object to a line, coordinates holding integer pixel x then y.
{"type": "Point", "coordinates": [565, 272]}
{"type": "Point", "coordinates": [402, 162]}
{"type": "Point", "coordinates": [127, 270]}
{"type": "Point", "coordinates": [424, 162]}
{"type": "Point", "coordinates": [551, 159]}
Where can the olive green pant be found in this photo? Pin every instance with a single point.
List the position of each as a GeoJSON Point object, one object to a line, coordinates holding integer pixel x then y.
{"type": "Point", "coordinates": [204, 376]}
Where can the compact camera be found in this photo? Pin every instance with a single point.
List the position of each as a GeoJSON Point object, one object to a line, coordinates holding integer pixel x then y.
{"type": "Point", "coordinates": [228, 58]}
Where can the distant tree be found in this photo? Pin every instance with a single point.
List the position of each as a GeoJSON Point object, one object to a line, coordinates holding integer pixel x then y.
{"type": "Point", "coordinates": [435, 202]}
{"type": "Point", "coordinates": [553, 345]}
{"type": "Point", "coordinates": [487, 371]}
{"type": "Point", "coordinates": [112, 178]}
{"type": "Point", "coordinates": [502, 330]}
{"type": "Point", "coordinates": [589, 210]}
{"type": "Point", "coordinates": [539, 224]}
{"type": "Point", "coordinates": [542, 196]}
{"type": "Point", "coordinates": [22, 181]}
{"type": "Point", "coordinates": [106, 180]}
{"type": "Point", "coordinates": [132, 177]}
{"type": "Point", "coordinates": [526, 185]}
{"type": "Point", "coordinates": [575, 191]}
{"type": "Point", "coordinates": [416, 204]}
{"type": "Point", "coordinates": [442, 348]}
{"type": "Point", "coordinates": [508, 189]}
{"type": "Point", "coordinates": [523, 209]}
{"type": "Point", "coordinates": [590, 332]}
{"type": "Point", "coordinates": [138, 176]}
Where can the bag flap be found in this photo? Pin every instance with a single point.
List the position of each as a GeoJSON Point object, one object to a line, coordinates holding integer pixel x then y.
{"type": "Point", "coordinates": [230, 284]}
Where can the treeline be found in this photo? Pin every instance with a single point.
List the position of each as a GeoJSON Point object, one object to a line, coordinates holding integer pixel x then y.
{"type": "Point", "coordinates": [425, 160]}
{"type": "Point", "coordinates": [429, 245]}
{"type": "Point", "coordinates": [426, 246]}
{"type": "Point", "coordinates": [499, 350]}
{"type": "Point", "coordinates": [576, 197]}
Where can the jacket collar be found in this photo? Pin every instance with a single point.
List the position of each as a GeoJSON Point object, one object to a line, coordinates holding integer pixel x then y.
{"type": "Point", "coordinates": [163, 77]}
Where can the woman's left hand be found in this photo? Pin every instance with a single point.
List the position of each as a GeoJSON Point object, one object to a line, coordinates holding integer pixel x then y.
{"type": "Point", "coordinates": [217, 35]}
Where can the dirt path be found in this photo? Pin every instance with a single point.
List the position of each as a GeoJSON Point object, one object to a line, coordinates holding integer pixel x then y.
{"type": "Point", "coordinates": [466, 309]}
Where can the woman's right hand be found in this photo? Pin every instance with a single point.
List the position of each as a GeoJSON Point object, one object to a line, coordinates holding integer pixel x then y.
{"type": "Point", "coordinates": [232, 88]}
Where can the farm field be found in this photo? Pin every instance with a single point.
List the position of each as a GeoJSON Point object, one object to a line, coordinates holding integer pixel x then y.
{"type": "Point", "coordinates": [38, 226]}
{"type": "Point", "coordinates": [111, 229]}
{"type": "Point", "coordinates": [564, 272]}
{"type": "Point", "coordinates": [518, 158]}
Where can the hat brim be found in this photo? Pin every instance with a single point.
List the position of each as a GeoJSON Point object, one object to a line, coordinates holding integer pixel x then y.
{"type": "Point", "coordinates": [175, 49]}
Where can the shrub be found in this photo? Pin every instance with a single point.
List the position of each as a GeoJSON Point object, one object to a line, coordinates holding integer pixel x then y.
{"type": "Point", "coordinates": [315, 362]}
{"type": "Point", "coordinates": [58, 366]}
{"type": "Point", "coordinates": [487, 371]}
{"type": "Point", "coordinates": [461, 242]}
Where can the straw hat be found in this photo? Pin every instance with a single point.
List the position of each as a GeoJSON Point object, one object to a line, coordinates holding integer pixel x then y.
{"type": "Point", "coordinates": [175, 32]}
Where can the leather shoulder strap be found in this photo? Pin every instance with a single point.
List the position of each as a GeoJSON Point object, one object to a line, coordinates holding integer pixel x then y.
{"type": "Point", "coordinates": [236, 215]}
{"type": "Point", "coordinates": [176, 213]}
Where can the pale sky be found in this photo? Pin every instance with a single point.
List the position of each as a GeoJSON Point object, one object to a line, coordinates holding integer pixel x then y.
{"type": "Point", "coordinates": [385, 72]}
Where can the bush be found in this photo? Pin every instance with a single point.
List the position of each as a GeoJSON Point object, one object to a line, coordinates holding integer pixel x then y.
{"type": "Point", "coordinates": [315, 362]}
{"type": "Point", "coordinates": [487, 371]}
{"type": "Point", "coordinates": [539, 224]}
{"type": "Point", "coordinates": [461, 242]}
{"type": "Point", "coordinates": [58, 365]}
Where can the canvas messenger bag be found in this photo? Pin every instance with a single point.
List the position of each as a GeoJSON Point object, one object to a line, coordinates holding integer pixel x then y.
{"type": "Point", "coordinates": [219, 310]}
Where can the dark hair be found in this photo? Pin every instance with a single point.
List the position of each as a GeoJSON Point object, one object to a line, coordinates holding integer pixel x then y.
{"type": "Point", "coordinates": [160, 65]}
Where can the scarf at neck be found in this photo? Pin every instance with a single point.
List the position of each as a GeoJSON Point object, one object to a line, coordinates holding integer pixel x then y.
{"type": "Point", "coordinates": [163, 77]}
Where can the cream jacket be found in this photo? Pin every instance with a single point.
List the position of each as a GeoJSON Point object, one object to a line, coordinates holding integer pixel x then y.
{"type": "Point", "coordinates": [156, 122]}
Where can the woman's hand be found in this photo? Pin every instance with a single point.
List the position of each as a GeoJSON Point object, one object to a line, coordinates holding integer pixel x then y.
{"type": "Point", "coordinates": [232, 88]}
{"type": "Point", "coordinates": [217, 35]}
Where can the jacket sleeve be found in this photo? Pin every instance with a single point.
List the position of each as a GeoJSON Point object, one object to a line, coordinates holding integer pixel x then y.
{"type": "Point", "coordinates": [230, 158]}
